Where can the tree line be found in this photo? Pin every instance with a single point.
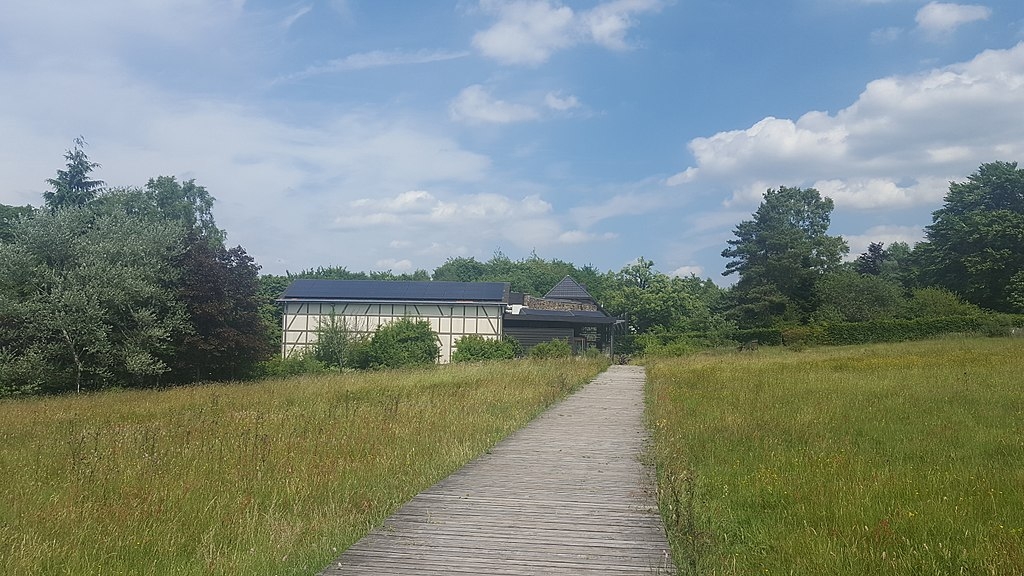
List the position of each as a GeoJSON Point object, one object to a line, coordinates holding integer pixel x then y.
{"type": "Point", "coordinates": [136, 286]}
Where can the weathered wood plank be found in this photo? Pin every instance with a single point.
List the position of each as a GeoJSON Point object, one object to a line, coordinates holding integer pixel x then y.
{"type": "Point", "coordinates": [567, 494]}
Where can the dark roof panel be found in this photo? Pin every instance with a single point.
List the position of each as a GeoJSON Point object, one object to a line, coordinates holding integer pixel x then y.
{"type": "Point", "coordinates": [564, 316]}
{"type": "Point", "coordinates": [396, 291]}
{"type": "Point", "coordinates": [569, 289]}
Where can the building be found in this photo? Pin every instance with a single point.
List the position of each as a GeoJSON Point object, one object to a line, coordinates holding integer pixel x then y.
{"type": "Point", "coordinates": [566, 312]}
{"type": "Point", "coordinates": [453, 309]}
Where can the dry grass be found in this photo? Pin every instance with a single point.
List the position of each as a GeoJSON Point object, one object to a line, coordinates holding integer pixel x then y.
{"type": "Point", "coordinates": [269, 478]}
{"type": "Point", "coordinates": [889, 459]}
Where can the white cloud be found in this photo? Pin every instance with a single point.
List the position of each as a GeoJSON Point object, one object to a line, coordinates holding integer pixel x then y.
{"type": "Point", "coordinates": [944, 18]}
{"type": "Point", "coordinates": [403, 265]}
{"type": "Point", "coordinates": [420, 207]}
{"type": "Point", "coordinates": [686, 271]}
{"type": "Point", "coordinates": [884, 234]}
{"type": "Point", "coordinates": [888, 149]}
{"type": "Point", "coordinates": [623, 204]}
{"type": "Point", "coordinates": [528, 32]}
{"type": "Point", "coordinates": [374, 59]}
{"type": "Point", "coordinates": [881, 193]}
{"type": "Point", "coordinates": [290, 20]}
{"type": "Point", "coordinates": [556, 101]}
{"type": "Point", "coordinates": [582, 236]}
{"type": "Point", "coordinates": [886, 35]}
{"type": "Point", "coordinates": [475, 105]}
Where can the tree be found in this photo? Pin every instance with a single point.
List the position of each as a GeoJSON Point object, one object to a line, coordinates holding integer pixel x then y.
{"type": "Point", "coordinates": [460, 269]}
{"type": "Point", "coordinates": [857, 297]}
{"type": "Point", "coordinates": [9, 218]}
{"type": "Point", "coordinates": [975, 244]}
{"type": "Point", "coordinates": [335, 343]}
{"type": "Point", "coordinates": [780, 254]}
{"type": "Point", "coordinates": [217, 287]}
{"type": "Point", "coordinates": [72, 187]}
{"type": "Point", "coordinates": [86, 298]}
{"type": "Point", "coordinates": [871, 262]}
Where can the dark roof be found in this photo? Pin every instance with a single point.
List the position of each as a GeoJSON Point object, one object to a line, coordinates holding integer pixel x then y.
{"type": "Point", "coordinates": [396, 291]}
{"type": "Point", "coordinates": [569, 289]}
{"type": "Point", "coordinates": [516, 298]}
{"type": "Point", "coordinates": [580, 317]}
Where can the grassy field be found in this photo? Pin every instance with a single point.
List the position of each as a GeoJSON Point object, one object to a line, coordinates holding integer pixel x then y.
{"type": "Point", "coordinates": [269, 478]}
{"type": "Point", "coordinates": [888, 459]}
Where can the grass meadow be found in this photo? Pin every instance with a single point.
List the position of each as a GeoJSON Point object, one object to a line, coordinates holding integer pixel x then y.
{"type": "Point", "coordinates": [271, 478]}
{"type": "Point", "coordinates": [883, 459]}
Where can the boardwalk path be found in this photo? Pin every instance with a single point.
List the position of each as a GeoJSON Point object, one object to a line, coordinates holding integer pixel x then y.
{"type": "Point", "coordinates": [565, 495]}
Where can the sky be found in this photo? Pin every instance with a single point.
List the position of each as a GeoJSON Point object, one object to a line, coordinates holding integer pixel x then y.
{"type": "Point", "coordinates": [394, 135]}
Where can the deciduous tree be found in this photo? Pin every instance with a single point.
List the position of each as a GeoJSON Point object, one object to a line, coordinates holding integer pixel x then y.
{"type": "Point", "coordinates": [975, 244]}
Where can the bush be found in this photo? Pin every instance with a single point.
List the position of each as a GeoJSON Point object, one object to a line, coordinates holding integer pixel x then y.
{"type": "Point", "coordinates": [764, 336]}
{"type": "Point", "coordinates": [336, 345]}
{"type": "Point", "coordinates": [405, 342]}
{"type": "Point", "coordinates": [294, 365]}
{"type": "Point", "coordinates": [552, 349]}
{"type": "Point", "coordinates": [938, 303]}
{"type": "Point", "coordinates": [916, 329]}
{"type": "Point", "coordinates": [476, 348]}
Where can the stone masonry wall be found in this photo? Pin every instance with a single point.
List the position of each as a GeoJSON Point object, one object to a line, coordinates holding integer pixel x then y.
{"type": "Point", "coordinates": [565, 305]}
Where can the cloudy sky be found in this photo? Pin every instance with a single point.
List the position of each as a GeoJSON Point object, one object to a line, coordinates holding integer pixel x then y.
{"type": "Point", "coordinates": [393, 135]}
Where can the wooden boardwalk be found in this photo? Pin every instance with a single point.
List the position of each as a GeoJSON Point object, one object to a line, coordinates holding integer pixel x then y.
{"type": "Point", "coordinates": [567, 494]}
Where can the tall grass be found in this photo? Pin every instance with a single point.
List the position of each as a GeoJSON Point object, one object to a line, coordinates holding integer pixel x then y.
{"type": "Point", "coordinates": [269, 478]}
{"type": "Point", "coordinates": [884, 459]}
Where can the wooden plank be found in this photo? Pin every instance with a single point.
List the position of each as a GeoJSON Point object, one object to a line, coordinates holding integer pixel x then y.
{"type": "Point", "coordinates": [568, 494]}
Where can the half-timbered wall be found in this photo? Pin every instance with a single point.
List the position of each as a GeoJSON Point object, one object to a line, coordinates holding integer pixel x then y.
{"type": "Point", "coordinates": [449, 321]}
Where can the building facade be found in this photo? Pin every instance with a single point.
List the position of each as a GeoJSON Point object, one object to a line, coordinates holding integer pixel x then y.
{"type": "Point", "coordinates": [453, 309]}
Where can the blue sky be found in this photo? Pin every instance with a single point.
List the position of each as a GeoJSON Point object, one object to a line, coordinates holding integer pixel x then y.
{"type": "Point", "coordinates": [393, 135]}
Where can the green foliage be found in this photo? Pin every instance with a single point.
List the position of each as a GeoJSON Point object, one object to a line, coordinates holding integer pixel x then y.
{"type": "Point", "coordinates": [294, 365]}
{"type": "Point", "coordinates": [552, 349]}
{"type": "Point", "coordinates": [653, 302]}
{"type": "Point", "coordinates": [764, 336]}
{"type": "Point", "coordinates": [975, 244]}
{"type": "Point", "coordinates": [405, 342]}
{"type": "Point", "coordinates": [218, 286]}
{"type": "Point", "coordinates": [938, 303]}
{"type": "Point", "coordinates": [87, 298]}
{"type": "Point", "coordinates": [857, 297]}
{"type": "Point", "coordinates": [460, 269]}
{"type": "Point", "coordinates": [872, 261]}
{"type": "Point", "coordinates": [72, 187]}
{"type": "Point", "coordinates": [902, 330]}
{"type": "Point", "coordinates": [9, 218]}
{"type": "Point", "coordinates": [476, 348]}
{"type": "Point", "coordinates": [337, 346]}
{"type": "Point", "coordinates": [780, 254]}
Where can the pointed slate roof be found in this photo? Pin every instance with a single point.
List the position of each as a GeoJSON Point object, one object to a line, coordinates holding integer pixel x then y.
{"type": "Point", "coordinates": [569, 289]}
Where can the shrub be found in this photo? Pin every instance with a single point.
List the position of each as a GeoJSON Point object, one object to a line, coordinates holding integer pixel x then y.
{"type": "Point", "coordinates": [764, 336]}
{"type": "Point", "coordinates": [476, 348]}
{"type": "Point", "coordinates": [336, 343]}
{"type": "Point", "coordinates": [294, 365]}
{"type": "Point", "coordinates": [552, 349]}
{"type": "Point", "coordinates": [405, 342]}
{"type": "Point", "coordinates": [938, 302]}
